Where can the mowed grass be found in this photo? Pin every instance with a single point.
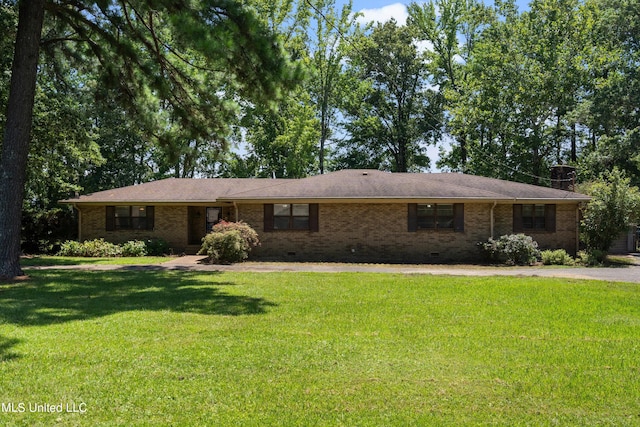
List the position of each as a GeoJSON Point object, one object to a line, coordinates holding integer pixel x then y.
{"type": "Point", "coordinates": [313, 349]}
{"type": "Point", "coordinates": [51, 260]}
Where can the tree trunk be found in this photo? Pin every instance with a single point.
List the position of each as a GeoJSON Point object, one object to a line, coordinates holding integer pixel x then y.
{"type": "Point", "coordinates": [15, 149]}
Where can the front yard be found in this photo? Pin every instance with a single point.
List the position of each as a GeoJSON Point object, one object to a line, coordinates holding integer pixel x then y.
{"type": "Point", "coordinates": [189, 348]}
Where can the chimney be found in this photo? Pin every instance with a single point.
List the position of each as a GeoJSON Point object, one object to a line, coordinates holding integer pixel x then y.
{"type": "Point", "coordinates": [563, 177]}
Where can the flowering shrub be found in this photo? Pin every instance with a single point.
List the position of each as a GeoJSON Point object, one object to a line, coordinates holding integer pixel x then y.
{"type": "Point", "coordinates": [229, 242]}
{"type": "Point", "coordinates": [511, 249]}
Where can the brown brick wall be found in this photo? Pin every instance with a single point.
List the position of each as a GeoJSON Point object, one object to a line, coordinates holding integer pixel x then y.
{"type": "Point", "coordinates": [352, 232]}
{"type": "Point", "coordinates": [563, 238]}
{"type": "Point", "coordinates": [371, 232]}
{"type": "Point", "coordinates": [170, 224]}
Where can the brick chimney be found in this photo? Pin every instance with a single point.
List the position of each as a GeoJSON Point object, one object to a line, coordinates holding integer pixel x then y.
{"type": "Point", "coordinates": [563, 177]}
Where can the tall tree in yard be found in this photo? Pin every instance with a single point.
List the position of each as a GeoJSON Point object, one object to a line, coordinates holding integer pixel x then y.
{"type": "Point", "coordinates": [15, 148]}
{"type": "Point", "coordinates": [392, 112]}
{"type": "Point", "coordinates": [162, 55]}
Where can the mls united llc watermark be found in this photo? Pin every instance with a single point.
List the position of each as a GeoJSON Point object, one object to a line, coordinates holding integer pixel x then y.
{"type": "Point", "coordinates": [50, 408]}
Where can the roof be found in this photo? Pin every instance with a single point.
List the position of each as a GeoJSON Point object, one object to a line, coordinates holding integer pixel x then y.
{"type": "Point", "coordinates": [344, 185]}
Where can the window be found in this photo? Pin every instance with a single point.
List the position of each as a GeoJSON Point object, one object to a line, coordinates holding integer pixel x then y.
{"type": "Point", "coordinates": [436, 216]}
{"type": "Point", "coordinates": [130, 218]}
{"type": "Point", "coordinates": [291, 216]}
{"type": "Point", "coordinates": [534, 217]}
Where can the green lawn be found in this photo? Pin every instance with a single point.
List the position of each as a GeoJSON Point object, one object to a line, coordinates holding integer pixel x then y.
{"type": "Point", "coordinates": [292, 349]}
{"type": "Point", "coordinates": [51, 260]}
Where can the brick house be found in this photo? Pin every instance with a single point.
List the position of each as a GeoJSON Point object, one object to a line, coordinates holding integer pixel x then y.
{"type": "Point", "coordinates": [349, 215]}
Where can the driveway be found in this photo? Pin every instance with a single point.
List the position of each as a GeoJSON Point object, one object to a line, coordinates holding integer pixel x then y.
{"type": "Point", "coordinates": [630, 273]}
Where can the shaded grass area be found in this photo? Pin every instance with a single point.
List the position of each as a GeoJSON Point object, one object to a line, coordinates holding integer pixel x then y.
{"type": "Point", "coordinates": [49, 260]}
{"type": "Point", "coordinates": [186, 348]}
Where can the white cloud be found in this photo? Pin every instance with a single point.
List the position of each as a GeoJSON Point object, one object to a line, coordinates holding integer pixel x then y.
{"type": "Point", "coordinates": [398, 11]}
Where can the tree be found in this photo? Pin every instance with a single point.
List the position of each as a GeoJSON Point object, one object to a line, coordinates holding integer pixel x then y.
{"type": "Point", "coordinates": [392, 112]}
{"type": "Point", "coordinates": [326, 83]}
{"type": "Point", "coordinates": [523, 86]}
{"type": "Point", "coordinates": [451, 28]}
{"type": "Point", "coordinates": [149, 51]}
{"type": "Point", "coordinates": [613, 91]}
{"type": "Point", "coordinates": [15, 148]}
{"type": "Point", "coordinates": [613, 207]}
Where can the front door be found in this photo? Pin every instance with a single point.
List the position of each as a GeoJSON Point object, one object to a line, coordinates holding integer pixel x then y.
{"type": "Point", "coordinates": [197, 225]}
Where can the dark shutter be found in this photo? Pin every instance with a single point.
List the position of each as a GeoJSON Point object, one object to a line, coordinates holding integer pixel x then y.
{"type": "Point", "coordinates": [111, 218]}
{"type": "Point", "coordinates": [151, 215]}
{"type": "Point", "coordinates": [517, 219]}
{"type": "Point", "coordinates": [313, 217]}
{"type": "Point", "coordinates": [412, 220]}
{"type": "Point", "coordinates": [458, 217]}
{"type": "Point", "coordinates": [268, 217]}
{"type": "Point", "coordinates": [550, 218]}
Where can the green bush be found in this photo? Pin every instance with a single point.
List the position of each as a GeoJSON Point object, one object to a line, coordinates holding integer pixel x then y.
{"type": "Point", "coordinates": [71, 248]}
{"type": "Point", "coordinates": [557, 257]}
{"type": "Point", "coordinates": [90, 248]}
{"type": "Point", "coordinates": [157, 247]}
{"type": "Point", "coordinates": [134, 248]}
{"type": "Point", "coordinates": [248, 234]}
{"type": "Point", "coordinates": [98, 248]}
{"type": "Point", "coordinates": [229, 242]}
{"type": "Point", "coordinates": [511, 249]}
{"type": "Point", "coordinates": [592, 257]}
{"type": "Point", "coordinates": [224, 248]}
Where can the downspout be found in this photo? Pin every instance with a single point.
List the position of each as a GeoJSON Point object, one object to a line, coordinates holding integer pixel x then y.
{"type": "Point", "coordinates": [75, 206]}
{"type": "Point", "coordinates": [577, 229]}
{"type": "Point", "coordinates": [235, 207]}
{"type": "Point", "coordinates": [492, 219]}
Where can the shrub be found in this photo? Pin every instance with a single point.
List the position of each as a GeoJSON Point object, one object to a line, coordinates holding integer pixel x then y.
{"type": "Point", "coordinates": [227, 247]}
{"type": "Point", "coordinates": [229, 242]}
{"type": "Point", "coordinates": [157, 247]}
{"type": "Point", "coordinates": [557, 257]}
{"type": "Point", "coordinates": [512, 249]}
{"type": "Point", "coordinates": [90, 248]}
{"type": "Point", "coordinates": [71, 248]}
{"type": "Point", "coordinates": [101, 248]}
{"type": "Point", "coordinates": [592, 257]}
{"type": "Point", "coordinates": [248, 234]}
{"type": "Point", "coordinates": [134, 248]}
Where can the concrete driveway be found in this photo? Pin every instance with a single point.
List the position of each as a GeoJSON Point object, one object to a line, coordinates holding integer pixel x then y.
{"type": "Point", "coordinates": [630, 273]}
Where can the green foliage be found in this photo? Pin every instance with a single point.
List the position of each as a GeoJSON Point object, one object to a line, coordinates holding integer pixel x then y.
{"type": "Point", "coordinates": [556, 257]}
{"type": "Point", "coordinates": [224, 248]}
{"type": "Point", "coordinates": [613, 207]}
{"type": "Point", "coordinates": [157, 247]}
{"type": "Point", "coordinates": [593, 257]}
{"type": "Point", "coordinates": [99, 248]}
{"type": "Point", "coordinates": [248, 234]}
{"type": "Point", "coordinates": [392, 114]}
{"type": "Point", "coordinates": [229, 242]}
{"type": "Point", "coordinates": [134, 248]}
{"type": "Point", "coordinates": [511, 249]}
{"type": "Point", "coordinates": [90, 248]}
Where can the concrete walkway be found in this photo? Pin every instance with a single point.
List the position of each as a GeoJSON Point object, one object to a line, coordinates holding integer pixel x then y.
{"type": "Point", "coordinates": [629, 273]}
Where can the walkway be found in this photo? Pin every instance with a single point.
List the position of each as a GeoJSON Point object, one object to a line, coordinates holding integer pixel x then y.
{"type": "Point", "coordinates": [629, 273]}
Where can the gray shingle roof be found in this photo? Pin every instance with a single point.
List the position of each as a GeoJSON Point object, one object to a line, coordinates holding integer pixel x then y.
{"type": "Point", "coordinates": [341, 185]}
